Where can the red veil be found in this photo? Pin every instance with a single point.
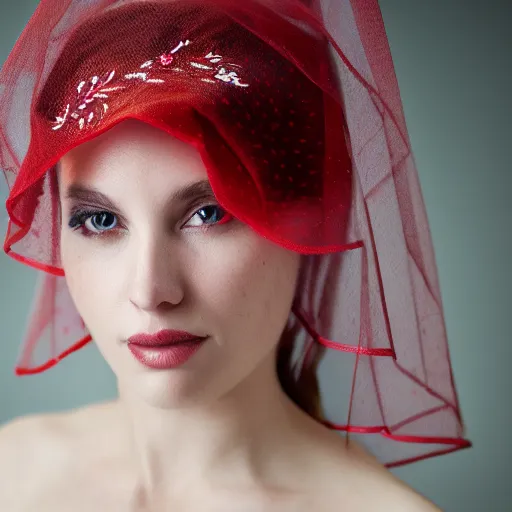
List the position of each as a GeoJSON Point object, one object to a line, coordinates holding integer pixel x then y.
{"type": "Point", "coordinates": [295, 109]}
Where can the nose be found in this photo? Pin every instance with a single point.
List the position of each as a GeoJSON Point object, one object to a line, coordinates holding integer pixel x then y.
{"type": "Point", "coordinates": [155, 281]}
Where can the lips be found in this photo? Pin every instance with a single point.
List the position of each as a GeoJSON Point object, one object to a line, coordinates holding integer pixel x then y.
{"type": "Point", "coordinates": [165, 349]}
{"type": "Point", "coordinates": [163, 338]}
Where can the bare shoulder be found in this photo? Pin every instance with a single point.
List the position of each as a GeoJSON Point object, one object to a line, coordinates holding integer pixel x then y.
{"type": "Point", "coordinates": [30, 448]}
{"type": "Point", "coordinates": [373, 487]}
{"type": "Point", "coordinates": [38, 451]}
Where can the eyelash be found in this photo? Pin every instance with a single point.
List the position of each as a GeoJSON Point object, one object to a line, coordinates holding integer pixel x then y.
{"type": "Point", "coordinates": [79, 217]}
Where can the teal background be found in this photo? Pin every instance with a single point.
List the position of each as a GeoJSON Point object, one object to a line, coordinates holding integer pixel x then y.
{"type": "Point", "coordinates": [453, 62]}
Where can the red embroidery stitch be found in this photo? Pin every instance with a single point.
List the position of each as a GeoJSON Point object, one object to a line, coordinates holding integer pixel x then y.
{"type": "Point", "coordinates": [166, 59]}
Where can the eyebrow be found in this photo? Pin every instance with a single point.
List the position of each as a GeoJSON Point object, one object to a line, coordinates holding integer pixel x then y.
{"type": "Point", "coordinates": [84, 194]}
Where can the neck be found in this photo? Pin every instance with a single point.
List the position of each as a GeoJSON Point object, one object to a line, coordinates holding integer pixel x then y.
{"type": "Point", "coordinates": [241, 439]}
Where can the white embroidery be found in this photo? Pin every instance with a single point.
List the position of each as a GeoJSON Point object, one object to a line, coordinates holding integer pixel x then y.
{"type": "Point", "coordinates": [199, 66]}
{"type": "Point", "coordinates": [141, 76]}
{"type": "Point", "coordinates": [214, 59]}
{"type": "Point", "coordinates": [60, 120]}
{"type": "Point", "coordinates": [181, 45]}
{"type": "Point", "coordinates": [230, 77]}
{"type": "Point", "coordinates": [92, 95]}
{"type": "Point", "coordinates": [86, 97]}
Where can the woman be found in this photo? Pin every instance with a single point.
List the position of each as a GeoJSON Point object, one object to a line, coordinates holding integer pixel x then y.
{"type": "Point", "coordinates": [205, 184]}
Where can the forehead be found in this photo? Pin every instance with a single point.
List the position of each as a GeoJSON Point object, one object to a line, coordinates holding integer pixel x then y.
{"type": "Point", "coordinates": [131, 149]}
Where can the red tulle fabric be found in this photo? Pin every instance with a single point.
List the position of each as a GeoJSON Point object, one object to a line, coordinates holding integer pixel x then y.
{"type": "Point", "coordinates": [295, 110]}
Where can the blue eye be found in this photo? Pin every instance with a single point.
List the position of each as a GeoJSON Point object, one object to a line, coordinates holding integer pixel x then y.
{"type": "Point", "coordinates": [103, 221]}
{"type": "Point", "coordinates": [93, 222]}
{"type": "Point", "coordinates": [208, 215]}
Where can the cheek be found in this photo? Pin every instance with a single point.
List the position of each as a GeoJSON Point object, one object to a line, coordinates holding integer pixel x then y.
{"type": "Point", "coordinates": [90, 281]}
{"type": "Point", "coordinates": [249, 287]}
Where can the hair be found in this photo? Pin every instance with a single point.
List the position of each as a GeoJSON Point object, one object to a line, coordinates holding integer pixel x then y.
{"type": "Point", "coordinates": [113, 26]}
{"type": "Point", "coordinates": [303, 391]}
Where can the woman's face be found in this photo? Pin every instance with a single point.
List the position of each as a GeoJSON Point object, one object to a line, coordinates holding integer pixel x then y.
{"type": "Point", "coordinates": [140, 255]}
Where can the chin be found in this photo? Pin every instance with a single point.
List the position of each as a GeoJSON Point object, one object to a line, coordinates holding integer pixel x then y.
{"type": "Point", "coordinates": [169, 389]}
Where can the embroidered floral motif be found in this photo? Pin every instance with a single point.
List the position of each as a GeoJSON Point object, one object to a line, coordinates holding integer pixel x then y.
{"type": "Point", "coordinates": [93, 94]}
{"type": "Point", "coordinates": [88, 108]}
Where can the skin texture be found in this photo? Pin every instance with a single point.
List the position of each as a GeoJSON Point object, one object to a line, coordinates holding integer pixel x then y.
{"type": "Point", "coordinates": [218, 433]}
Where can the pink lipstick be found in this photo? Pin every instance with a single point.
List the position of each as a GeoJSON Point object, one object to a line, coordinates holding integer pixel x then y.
{"type": "Point", "coordinates": [165, 349]}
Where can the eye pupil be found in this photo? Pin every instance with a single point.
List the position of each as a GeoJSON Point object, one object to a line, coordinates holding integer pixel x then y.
{"type": "Point", "coordinates": [103, 221]}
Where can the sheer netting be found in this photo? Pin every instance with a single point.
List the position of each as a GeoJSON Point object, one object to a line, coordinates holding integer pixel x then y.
{"type": "Point", "coordinates": [295, 110]}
